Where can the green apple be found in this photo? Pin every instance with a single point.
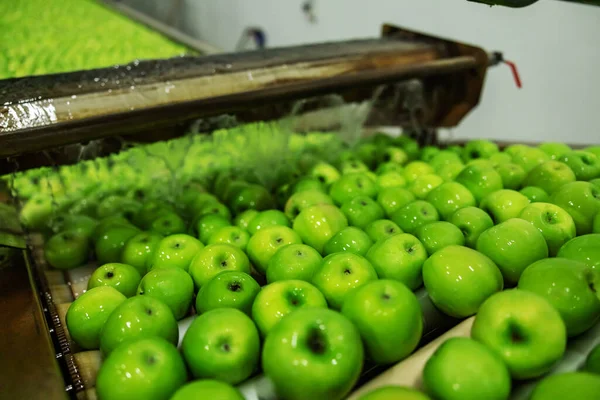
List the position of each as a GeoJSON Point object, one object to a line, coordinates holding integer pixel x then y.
{"type": "Point", "coordinates": [535, 194]}
{"type": "Point", "coordinates": [353, 166]}
{"type": "Point", "coordinates": [252, 196]}
{"type": "Point", "coordinates": [553, 222]}
{"type": "Point", "coordinates": [350, 239]}
{"type": "Point", "coordinates": [216, 258]}
{"type": "Point", "coordinates": [394, 155]}
{"type": "Point", "coordinates": [150, 368]}
{"type": "Point", "coordinates": [205, 226]}
{"type": "Point", "coordinates": [172, 286]}
{"type": "Point", "coordinates": [480, 148]}
{"type": "Point", "coordinates": [390, 179]}
{"type": "Point", "coordinates": [117, 205]}
{"type": "Point", "coordinates": [512, 175]}
{"type": "Point", "coordinates": [595, 182]}
{"type": "Point", "coordinates": [567, 386]}
{"type": "Point", "coordinates": [381, 229]}
{"type": "Point", "coordinates": [175, 251]}
{"type": "Point", "coordinates": [582, 201]}
{"type": "Point", "coordinates": [111, 242]}
{"type": "Point", "coordinates": [424, 184]}
{"type": "Point", "coordinates": [409, 145]}
{"type": "Point", "coordinates": [414, 169]}
{"type": "Point", "coordinates": [200, 202]}
{"type": "Point", "coordinates": [67, 250]}
{"type": "Point", "coordinates": [585, 165]}
{"type": "Point", "coordinates": [222, 344]}
{"type": "Point", "coordinates": [392, 199]}
{"type": "Point", "coordinates": [523, 329]}
{"type": "Point", "coordinates": [593, 149]}
{"type": "Point", "coordinates": [554, 150]}
{"type": "Point", "coordinates": [317, 224]}
{"type": "Point", "coordinates": [149, 212]}
{"type": "Point", "coordinates": [313, 354]}
{"type": "Point", "coordinates": [88, 313]}
{"type": "Point", "coordinates": [592, 361]}
{"type": "Point", "coordinates": [387, 167]}
{"type": "Point", "coordinates": [301, 201]}
{"type": "Point", "coordinates": [214, 208]}
{"type": "Point", "coordinates": [361, 211]}
{"type": "Point", "coordinates": [445, 157]}
{"type": "Point", "coordinates": [394, 393]}
{"type": "Point", "coordinates": [585, 248]}
{"type": "Point", "coordinates": [513, 245]}
{"type": "Point", "coordinates": [389, 318]}
{"type": "Point", "coordinates": [266, 219]}
{"type": "Point", "coordinates": [352, 185]}
{"type": "Point", "coordinates": [399, 257]}
{"type": "Point", "coordinates": [438, 235]}
{"type": "Point", "coordinates": [504, 204]}
{"type": "Point", "coordinates": [480, 181]}
{"type": "Point", "coordinates": [460, 270]}
{"type": "Point", "coordinates": [36, 211]}
{"type": "Point", "coordinates": [414, 215]}
{"type": "Point", "coordinates": [482, 373]}
{"type": "Point", "coordinates": [308, 183]}
{"type": "Point", "coordinates": [596, 223]}
{"type": "Point", "coordinates": [122, 277]}
{"type": "Point", "coordinates": [207, 389]}
{"type": "Point", "coordinates": [168, 224]}
{"type": "Point", "coordinates": [325, 173]}
{"type": "Point", "coordinates": [472, 221]}
{"type": "Point", "coordinates": [278, 299]}
{"type": "Point", "coordinates": [138, 318]}
{"type": "Point", "coordinates": [139, 249]}
{"type": "Point", "coordinates": [232, 235]}
{"type": "Point", "coordinates": [428, 153]}
{"type": "Point", "coordinates": [339, 274]}
{"type": "Point", "coordinates": [242, 220]}
{"type": "Point", "coordinates": [529, 158]}
{"type": "Point", "coordinates": [550, 176]}
{"type": "Point", "coordinates": [450, 171]}
{"type": "Point", "coordinates": [229, 289]}
{"type": "Point", "coordinates": [501, 158]}
{"type": "Point", "coordinates": [570, 286]}
{"type": "Point", "coordinates": [81, 224]}
{"type": "Point", "coordinates": [294, 261]}
{"type": "Point", "coordinates": [449, 197]}
{"type": "Point", "coordinates": [265, 243]}
{"type": "Point", "coordinates": [367, 153]}
{"type": "Point", "coordinates": [107, 224]}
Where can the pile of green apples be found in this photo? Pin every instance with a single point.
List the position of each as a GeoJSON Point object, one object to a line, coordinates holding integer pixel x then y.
{"type": "Point", "coordinates": [73, 35]}
{"type": "Point", "coordinates": [307, 270]}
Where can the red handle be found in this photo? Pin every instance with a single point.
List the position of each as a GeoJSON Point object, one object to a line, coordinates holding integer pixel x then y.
{"type": "Point", "coordinates": [515, 73]}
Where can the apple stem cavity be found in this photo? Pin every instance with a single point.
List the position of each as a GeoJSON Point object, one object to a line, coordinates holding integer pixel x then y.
{"type": "Point", "coordinates": [516, 335]}
{"type": "Point", "coordinates": [109, 274]}
{"type": "Point", "coordinates": [316, 341]}
{"type": "Point", "coordinates": [235, 287]}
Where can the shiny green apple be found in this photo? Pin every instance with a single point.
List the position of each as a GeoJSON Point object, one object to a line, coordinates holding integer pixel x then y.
{"type": "Point", "coordinates": [550, 176]}
{"type": "Point", "coordinates": [222, 344]}
{"type": "Point", "coordinates": [139, 317]}
{"type": "Point", "coordinates": [67, 250]}
{"type": "Point", "coordinates": [278, 299]}
{"type": "Point", "coordinates": [570, 286]}
{"type": "Point", "coordinates": [392, 199]}
{"type": "Point", "coordinates": [553, 222]}
{"type": "Point", "coordinates": [339, 274]}
{"type": "Point", "coordinates": [567, 386]}
{"type": "Point", "coordinates": [266, 219]}
{"type": "Point", "coordinates": [88, 313]}
{"type": "Point", "coordinates": [513, 245]}
{"type": "Point", "coordinates": [229, 289]}
{"type": "Point", "coordinates": [582, 201]}
{"type": "Point", "coordinates": [449, 197]}
{"type": "Point", "coordinates": [535, 194]}
{"type": "Point", "coordinates": [352, 185]}
{"type": "Point", "coordinates": [399, 257]}
{"type": "Point", "coordinates": [437, 235]}
{"type": "Point", "coordinates": [459, 279]}
{"type": "Point", "coordinates": [414, 215]}
{"type": "Point", "coordinates": [172, 286]}
{"type": "Point", "coordinates": [389, 318]}
{"type": "Point", "coordinates": [350, 239]}
{"type": "Point", "coordinates": [381, 229]}
{"type": "Point", "coordinates": [317, 224]}
{"type": "Point", "coordinates": [122, 277]}
{"type": "Point", "coordinates": [480, 181]}
{"type": "Point", "coordinates": [214, 259]}
{"type": "Point", "coordinates": [207, 389]}
{"type": "Point", "coordinates": [585, 248]}
{"type": "Point", "coordinates": [175, 251]}
{"type": "Point", "coordinates": [504, 204]}
{"type": "Point", "coordinates": [472, 221]}
{"type": "Point", "coordinates": [512, 175]}
{"type": "Point", "coordinates": [523, 329]}
{"type": "Point", "coordinates": [139, 249]}
{"type": "Point", "coordinates": [313, 353]}
{"type": "Point", "coordinates": [265, 243]}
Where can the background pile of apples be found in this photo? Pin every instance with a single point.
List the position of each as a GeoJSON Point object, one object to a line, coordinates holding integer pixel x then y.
{"type": "Point", "coordinates": [73, 35]}
{"type": "Point", "coordinates": [300, 256]}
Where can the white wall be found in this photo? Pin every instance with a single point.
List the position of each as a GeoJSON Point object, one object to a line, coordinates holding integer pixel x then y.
{"type": "Point", "coordinates": [556, 46]}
